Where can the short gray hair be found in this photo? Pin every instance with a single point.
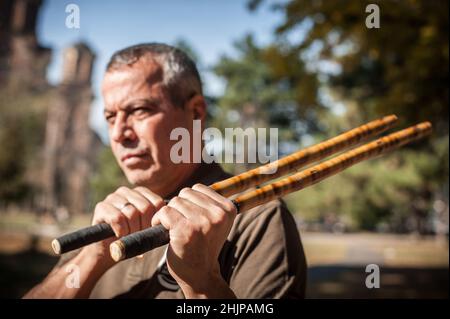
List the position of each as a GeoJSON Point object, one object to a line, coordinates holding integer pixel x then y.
{"type": "Point", "coordinates": [180, 75]}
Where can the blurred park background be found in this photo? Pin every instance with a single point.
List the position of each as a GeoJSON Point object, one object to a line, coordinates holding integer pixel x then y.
{"type": "Point", "coordinates": [313, 69]}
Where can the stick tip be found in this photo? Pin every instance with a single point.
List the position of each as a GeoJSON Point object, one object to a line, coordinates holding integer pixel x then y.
{"type": "Point", "coordinates": [56, 246]}
{"type": "Point", "coordinates": [117, 251]}
{"type": "Point", "coordinates": [426, 126]}
{"type": "Point", "coordinates": [391, 118]}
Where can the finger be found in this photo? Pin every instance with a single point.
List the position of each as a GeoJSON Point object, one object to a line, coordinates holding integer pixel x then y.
{"type": "Point", "coordinates": [200, 199]}
{"type": "Point", "coordinates": [146, 218]}
{"type": "Point", "coordinates": [155, 203]}
{"type": "Point", "coordinates": [169, 217]}
{"type": "Point", "coordinates": [107, 213]}
{"type": "Point", "coordinates": [142, 208]}
{"type": "Point", "coordinates": [153, 198]}
{"type": "Point", "coordinates": [226, 203]}
{"type": "Point", "coordinates": [137, 199]}
{"type": "Point", "coordinates": [199, 209]}
{"type": "Point", "coordinates": [119, 200]}
{"type": "Point", "coordinates": [197, 216]}
{"type": "Point", "coordinates": [116, 200]}
{"type": "Point", "coordinates": [133, 216]}
{"type": "Point", "coordinates": [187, 208]}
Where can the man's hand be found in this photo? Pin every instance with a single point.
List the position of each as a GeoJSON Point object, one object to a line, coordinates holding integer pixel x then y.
{"type": "Point", "coordinates": [199, 221]}
{"type": "Point", "coordinates": [126, 211]}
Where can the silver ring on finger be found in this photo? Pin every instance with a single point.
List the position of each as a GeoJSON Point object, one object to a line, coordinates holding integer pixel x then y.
{"type": "Point", "coordinates": [125, 205]}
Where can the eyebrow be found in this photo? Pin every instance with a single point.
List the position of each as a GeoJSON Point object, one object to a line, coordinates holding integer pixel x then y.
{"type": "Point", "coordinates": [129, 105]}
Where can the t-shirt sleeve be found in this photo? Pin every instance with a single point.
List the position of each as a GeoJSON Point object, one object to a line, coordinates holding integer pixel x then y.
{"type": "Point", "coordinates": [267, 255]}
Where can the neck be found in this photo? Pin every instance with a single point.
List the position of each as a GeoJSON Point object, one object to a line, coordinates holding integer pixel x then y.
{"type": "Point", "coordinates": [172, 188]}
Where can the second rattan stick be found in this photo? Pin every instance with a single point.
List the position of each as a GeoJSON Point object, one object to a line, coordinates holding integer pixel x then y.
{"type": "Point", "coordinates": [145, 240]}
{"type": "Point", "coordinates": [233, 185]}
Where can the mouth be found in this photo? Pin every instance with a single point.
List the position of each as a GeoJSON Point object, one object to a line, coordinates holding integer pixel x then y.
{"type": "Point", "coordinates": [134, 158]}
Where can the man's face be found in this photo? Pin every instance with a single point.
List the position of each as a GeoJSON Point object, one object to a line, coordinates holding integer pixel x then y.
{"type": "Point", "coordinates": [140, 118]}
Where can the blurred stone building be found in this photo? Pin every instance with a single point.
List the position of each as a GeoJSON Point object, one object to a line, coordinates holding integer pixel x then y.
{"type": "Point", "coordinates": [22, 59]}
{"type": "Point", "coordinates": [70, 146]}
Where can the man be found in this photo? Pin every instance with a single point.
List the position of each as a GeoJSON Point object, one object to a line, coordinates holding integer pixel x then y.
{"type": "Point", "coordinates": [148, 91]}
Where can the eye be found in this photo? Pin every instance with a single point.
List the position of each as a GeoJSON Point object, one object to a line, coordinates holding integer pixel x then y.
{"type": "Point", "coordinates": [110, 118]}
{"type": "Point", "coordinates": [141, 111]}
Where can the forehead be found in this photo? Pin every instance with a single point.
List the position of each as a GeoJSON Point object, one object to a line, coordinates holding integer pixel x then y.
{"type": "Point", "coordinates": [127, 82]}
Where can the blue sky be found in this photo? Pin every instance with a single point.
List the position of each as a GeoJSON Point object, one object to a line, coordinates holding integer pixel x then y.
{"type": "Point", "coordinates": [210, 26]}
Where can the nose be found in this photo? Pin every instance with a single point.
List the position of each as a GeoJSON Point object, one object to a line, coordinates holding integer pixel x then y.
{"type": "Point", "coordinates": [121, 129]}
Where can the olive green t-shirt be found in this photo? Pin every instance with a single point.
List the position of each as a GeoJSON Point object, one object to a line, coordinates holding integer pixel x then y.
{"type": "Point", "coordinates": [262, 257]}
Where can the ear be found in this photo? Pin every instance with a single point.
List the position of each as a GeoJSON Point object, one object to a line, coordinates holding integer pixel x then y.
{"type": "Point", "coordinates": [197, 106]}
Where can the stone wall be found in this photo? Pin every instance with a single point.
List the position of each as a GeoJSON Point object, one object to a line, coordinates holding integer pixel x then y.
{"type": "Point", "coordinates": [70, 147]}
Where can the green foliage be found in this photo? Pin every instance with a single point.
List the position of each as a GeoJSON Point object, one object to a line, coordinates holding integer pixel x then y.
{"type": "Point", "coordinates": [107, 178]}
{"type": "Point", "coordinates": [385, 190]}
{"type": "Point", "coordinates": [12, 184]}
{"type": "Point", "coordinates": [267, 87]}
{"type": "Point", "coordinates": [22, 132]}
{"type": "Point", "coordinates": [400, 68]}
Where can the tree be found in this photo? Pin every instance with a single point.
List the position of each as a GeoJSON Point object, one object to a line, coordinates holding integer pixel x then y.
{"type": "Point", "coordinates": [22, 127]}
{"type": "Point", "coordinates": [400, 68]}
{"type": "Point", "coordinates": [107, 178]}
{"type": "Point", "coordinates": [267, 87]}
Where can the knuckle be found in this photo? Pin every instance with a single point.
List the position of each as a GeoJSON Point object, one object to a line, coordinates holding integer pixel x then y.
{"type": "Point", "coordinates": [201, 226]}
{"type": "Point", "coordinates": [176, 200]}
{"type": "Point", "coordinates": [109, 197]}
{"type": "Point", "coordinates": [191, 230]}
{"type": "Point", "coordinates": [230, 206]}
{"type": "Point", "coordinates": [147, 207]}
{"type": "Point", "coordinates": [185, 191]}
{"type": "Point", "coordinates": [155, 219]}
{"type": "Point", "coordinates": [140, 189]}
{"type": "Point", "coordinates": [218, 211]}
{"type": "Point", "coordinates": [219, 218]}
{"type": "Point", "coordinates": [122, 189]}
{"type": "Point", "coordinates": [163, 211]}
{"type": "Point", "coordinates": [98, 207]}
{"type": "Point", "coordinates": [188, 237]}
{"type": "Point", "coordinates": [206, 226]}
{"type": "Point", "coordinates": [145, 191]}
{"type": "Point", "coordinates": [198, 186]}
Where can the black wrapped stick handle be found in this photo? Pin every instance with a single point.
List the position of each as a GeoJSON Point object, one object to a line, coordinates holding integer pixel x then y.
{"type": "Point", "coordinates": [82, 237]}
{"type": "Point", "coordinates": [136, 244]}
{"type": "Point", "coordinates": [254, 177]}
{"type": "Point", "coordinates": [139, 242]}
{"type": "Point", "coordinates": [142, 241]}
